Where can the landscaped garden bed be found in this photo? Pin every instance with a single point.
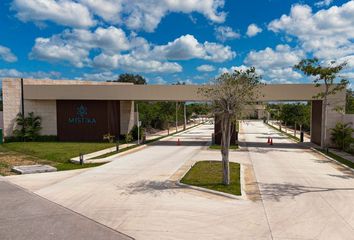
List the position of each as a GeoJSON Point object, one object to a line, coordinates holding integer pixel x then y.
{"type": "Point", "coordinates": [208, 174]}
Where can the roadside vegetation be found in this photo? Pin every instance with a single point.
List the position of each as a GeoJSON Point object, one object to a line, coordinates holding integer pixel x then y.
{"type": "Point", "coordinates": [208, 174]}
{"type": "Point", "coordinates": [292, 115]}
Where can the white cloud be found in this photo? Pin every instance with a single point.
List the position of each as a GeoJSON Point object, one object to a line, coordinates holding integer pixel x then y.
{"type": "Point", "coordinates": [159, 81]}
{"type": "Point", "coordinates": [100, 76]}
{"type": "Point", "coordinates": [224, 33]}
{"type": "Point", "coordinates": [148, 14]}
{"type": "Point", "coordinates": [113, 50]}
{"type": "Point", "coordinates": [14, 73]}
{"type": "Point", "coordinates": [130, 63]}
{"type": "Point", "coordinates": [54, 49]}
{"type": "Point", "coordinates": [282, 56]}
{"type": "Point", "coordinates": [206, 68]}
{"type": "Point", "coordinates": [134, 14]}
{"type": "Point", "coordinates": [63, 12]}
{"type": "Point", "coordinates": [7, 55]}
{"type": "Point", "coordinates": [253, 30]}
{"type": "Point", "coordinates": [74, 46]}
{"type": "Point", "coordinates": [324, 3]}
{"type": "Point", "coordinates": [276, 65]}
{"type": "Point", "coordinates": [187, 47]}
{"type": "Point", "coordinates": [328, 33]}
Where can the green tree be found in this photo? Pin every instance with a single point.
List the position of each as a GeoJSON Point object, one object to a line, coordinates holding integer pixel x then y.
{"type": "Point", "coordinates": [327, 75]}
{"type": "Point", "coordinates": [131, 78]}
{"type": "Point", "coordinates": [230, 93]}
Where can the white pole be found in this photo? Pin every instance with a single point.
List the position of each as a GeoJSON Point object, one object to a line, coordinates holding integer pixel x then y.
{"type": "Point", "coordinates": [138, 122]}
{"type": "Point", "coordinates": [176, 116]}
{"type": "Point", "coordinates": [185, 117]}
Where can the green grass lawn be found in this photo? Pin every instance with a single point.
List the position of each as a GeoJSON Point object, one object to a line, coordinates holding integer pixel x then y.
{"type": "Point", "coordinates": [56, 154]}
{"type": "Point", "coordinates": [56, 151]}
{"type": "Point", "coordinates": [208, 174]}
{"type": "Point", "coordinates": [218, 147]}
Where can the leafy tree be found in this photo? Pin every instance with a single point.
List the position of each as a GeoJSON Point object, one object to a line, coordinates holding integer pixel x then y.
{"type": "Point", "coordinates": [27, 128]}
{"type": "Point", "coordinates": [341, 135]}
{"type": "Point", "coordinates": [349, 106]}
{"type": "Point", "coordinates": [327, 75]}
{"type": "Point", "coordinates": [230, 93]}
{"type": "Point", "coordinates": [295, 114]}
{"type": "Point", "coordinates": [131, 78]}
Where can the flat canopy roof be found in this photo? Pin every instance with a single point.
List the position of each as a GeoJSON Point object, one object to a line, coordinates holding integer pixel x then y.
{"type": "Point", "coordinates": [271, 92]}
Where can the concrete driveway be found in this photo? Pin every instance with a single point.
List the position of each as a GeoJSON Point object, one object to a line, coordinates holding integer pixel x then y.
{"type": "Point", "coordinates": [303, 196]}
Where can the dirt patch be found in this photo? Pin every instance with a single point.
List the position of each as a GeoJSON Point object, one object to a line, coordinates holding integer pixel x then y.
{"type": "Point", "coordinates": [8, 159]}
{"type": "Point", "coordinates": [251, 185]}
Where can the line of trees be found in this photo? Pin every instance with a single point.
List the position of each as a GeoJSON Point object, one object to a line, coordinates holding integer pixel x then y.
{"type": "Point", "coordinates": [294, 115]}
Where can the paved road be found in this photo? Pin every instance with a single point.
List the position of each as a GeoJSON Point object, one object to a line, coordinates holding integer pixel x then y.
{"type": "Point", "coordinates": [27, 216]}
{"type": "Point", "coordinates": [303, 196]}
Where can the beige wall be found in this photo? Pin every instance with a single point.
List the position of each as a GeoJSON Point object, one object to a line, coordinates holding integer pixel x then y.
{"type": "Point", "coordinates": [126, 116]}
{"type": "Point", "coordinates": [47, 110]}
{"type": "Point", "coordinates": [11, 89]}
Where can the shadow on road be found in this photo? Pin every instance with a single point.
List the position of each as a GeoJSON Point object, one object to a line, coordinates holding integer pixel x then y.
{"type": "Point", "coordinates": [277, 191]}
{"type": "Point", "coordinates": [152, 187]}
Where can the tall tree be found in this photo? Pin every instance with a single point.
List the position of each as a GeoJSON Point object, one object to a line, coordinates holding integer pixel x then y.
{"type": "Point", "coordinates": [229, 94]}
{"type": "Point", "coordinates": [327, 75]}
{"type": "Point", "coordinates": [131, 78]}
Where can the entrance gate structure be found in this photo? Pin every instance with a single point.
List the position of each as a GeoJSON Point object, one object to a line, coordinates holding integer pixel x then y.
{"type": "Point", "coordinates": [46, 98]}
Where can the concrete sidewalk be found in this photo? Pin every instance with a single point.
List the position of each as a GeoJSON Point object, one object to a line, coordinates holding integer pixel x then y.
{"type": "Point", "coordinates": [27, 216]}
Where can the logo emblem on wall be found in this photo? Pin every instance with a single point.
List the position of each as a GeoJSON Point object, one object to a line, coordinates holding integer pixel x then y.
{"type": "Point", "coordinates": [80, 118]}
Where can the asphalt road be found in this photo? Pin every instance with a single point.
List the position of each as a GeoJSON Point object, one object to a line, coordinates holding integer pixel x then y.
{"type": "Point", "coordinates": [24, 215]}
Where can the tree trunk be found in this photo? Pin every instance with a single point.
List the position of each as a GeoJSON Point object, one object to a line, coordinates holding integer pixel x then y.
{"type": "Point", "coordinates": [225, 145]}
{"type": "Point", "coordinates": [324, 120]}
{"type": "Point", "coordinates": [295, 130]}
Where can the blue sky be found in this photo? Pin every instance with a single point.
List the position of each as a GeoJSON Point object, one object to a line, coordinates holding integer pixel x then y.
{"type": "Point", "coordinates": [170, 40]}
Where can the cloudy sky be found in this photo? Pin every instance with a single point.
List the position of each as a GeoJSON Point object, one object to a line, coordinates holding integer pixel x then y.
{"type": "Point", "coordinates": [172, 40]}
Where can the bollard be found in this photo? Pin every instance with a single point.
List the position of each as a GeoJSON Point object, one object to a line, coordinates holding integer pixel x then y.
{"type": "Point", "coordinates": [81, 159]}
{"type": "Point", "coordinates": [117, 146]}
{"type": "Point", "coordinates": [301, 136]}
{"type": "Point", "coordinates": [1, 137]}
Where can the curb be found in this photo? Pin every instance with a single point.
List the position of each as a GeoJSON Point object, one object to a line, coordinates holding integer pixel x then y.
{"type": "Point", "coordinates": [222, 194]}
{"type": "Point", "coordinates": [134, 149]}
{"type": "Point", "coordinates": [332, 159]}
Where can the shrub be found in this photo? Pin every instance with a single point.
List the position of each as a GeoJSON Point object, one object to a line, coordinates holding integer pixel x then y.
{"type": "Point", "coordinates": [341, 135]}
{"type": "Point", "coordinates": [134, 132]}
{"type": "Point", "coordinates": [128, 138]}
{"type": "Point", "coordinates": [27, 128]}
{"type": "Point", "coordinates": [109, 137]}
